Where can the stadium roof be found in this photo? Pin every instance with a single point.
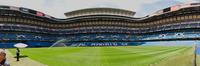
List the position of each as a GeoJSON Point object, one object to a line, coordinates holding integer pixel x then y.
{"type": "Point", "coordinates": [100, 11]}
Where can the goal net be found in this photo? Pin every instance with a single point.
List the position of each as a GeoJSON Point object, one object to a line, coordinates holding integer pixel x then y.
{"type": "Point", "coordinates": [60, 43]}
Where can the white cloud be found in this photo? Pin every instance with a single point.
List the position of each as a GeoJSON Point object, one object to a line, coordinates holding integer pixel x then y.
{"type": "Point", "coordinates": [187, 1]}
{"type": "Point", "coordinates": [57, 8]}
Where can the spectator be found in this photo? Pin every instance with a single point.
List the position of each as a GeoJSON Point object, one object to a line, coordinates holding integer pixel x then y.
{"type": "Point", "coordinates": [3, 61]}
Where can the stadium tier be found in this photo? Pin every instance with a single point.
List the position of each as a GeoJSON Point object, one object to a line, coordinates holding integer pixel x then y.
{"type": "Point", "coordinates": [98, 26]}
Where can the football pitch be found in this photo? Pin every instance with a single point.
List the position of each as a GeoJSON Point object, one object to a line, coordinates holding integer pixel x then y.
{"type": "Point", "coordinates": [111, 56]}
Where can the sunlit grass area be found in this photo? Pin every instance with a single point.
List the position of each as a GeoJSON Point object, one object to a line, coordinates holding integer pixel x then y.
{"type": "Point", "coordinates": [198, 60]}
{"type": "Point", "coordinates": [109, 56]}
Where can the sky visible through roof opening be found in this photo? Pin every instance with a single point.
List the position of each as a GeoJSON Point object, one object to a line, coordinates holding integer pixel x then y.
{"type": "Point", "coordinates": [57, 8]}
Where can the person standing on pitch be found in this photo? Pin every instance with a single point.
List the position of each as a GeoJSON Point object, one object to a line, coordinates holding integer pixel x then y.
{"type": "Point", "coordinates": [17, 54]}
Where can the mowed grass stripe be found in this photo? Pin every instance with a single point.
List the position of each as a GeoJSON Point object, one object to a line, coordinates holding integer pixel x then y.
{"type": "Point", "coordinates": [137, 58]}
{"type": "Point", "coordinates": [102, 56]}
{"type": "Point", "coordinates": [49, 56]}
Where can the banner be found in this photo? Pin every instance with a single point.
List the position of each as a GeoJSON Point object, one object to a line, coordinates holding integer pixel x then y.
{"type": "Point", "coordinates": [175, 8]}
{"type": "Point", "coordinates": [39, 14]}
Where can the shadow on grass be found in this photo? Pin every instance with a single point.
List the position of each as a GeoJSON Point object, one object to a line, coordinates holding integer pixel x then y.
{"type": "Point", "coordinates": [21, 56]}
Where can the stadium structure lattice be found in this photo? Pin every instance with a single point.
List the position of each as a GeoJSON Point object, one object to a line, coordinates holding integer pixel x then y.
{"type": "Point", "coordinates": [98, 26]}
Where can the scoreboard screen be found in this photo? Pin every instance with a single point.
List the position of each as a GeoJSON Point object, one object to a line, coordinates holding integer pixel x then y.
{"type": "Point", "coordinates": [167, 9]}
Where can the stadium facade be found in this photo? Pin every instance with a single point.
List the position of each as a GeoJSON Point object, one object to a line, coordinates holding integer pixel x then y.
{"type": "Point", "coordinates": [97, 26]}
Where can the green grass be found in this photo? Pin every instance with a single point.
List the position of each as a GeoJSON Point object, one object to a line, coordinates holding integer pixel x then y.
{"type": "Point", "coordinates": [184, 58]}
{"type": "Point", "coordinates": [198, 60]}
{"type": "Point", "coordinates": [102, 56]}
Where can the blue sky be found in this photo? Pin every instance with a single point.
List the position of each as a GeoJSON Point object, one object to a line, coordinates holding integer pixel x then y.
{"type": "Point", "coordinates": [57, 8]}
